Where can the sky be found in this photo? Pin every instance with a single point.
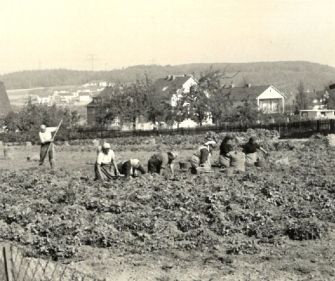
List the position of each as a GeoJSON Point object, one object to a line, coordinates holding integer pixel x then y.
{"type": "Point", "coordinates": [109, 34]}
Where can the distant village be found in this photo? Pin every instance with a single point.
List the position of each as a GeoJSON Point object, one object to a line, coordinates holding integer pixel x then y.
{"type": "Point", "coordinates": [266, 98]}
{"type": "Point", "coordinates": [80, 95]}
{"type": "Point", "coordinates": [96, 96]}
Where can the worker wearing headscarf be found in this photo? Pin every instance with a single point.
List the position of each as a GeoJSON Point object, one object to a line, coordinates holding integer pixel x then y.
{"type": "Point", "coordinates": [162, 163]}
{"type": "Point", "coordinates": [201, 160]}
{"type": "Point", "coordinates": [105, 162]}
{"type": "Point", "coordinates": [47, 146]}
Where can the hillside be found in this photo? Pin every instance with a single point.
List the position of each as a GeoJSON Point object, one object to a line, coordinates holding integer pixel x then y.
{"type": "Point", "coordinates": [284, 75]}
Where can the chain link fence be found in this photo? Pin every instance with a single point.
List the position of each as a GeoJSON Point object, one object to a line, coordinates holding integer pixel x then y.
{"type": "Point", "coordinates": [15, 266]}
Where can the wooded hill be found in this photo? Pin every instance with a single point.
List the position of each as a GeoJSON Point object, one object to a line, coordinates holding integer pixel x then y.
{"type": "Point", "coordinates": [284, 75]}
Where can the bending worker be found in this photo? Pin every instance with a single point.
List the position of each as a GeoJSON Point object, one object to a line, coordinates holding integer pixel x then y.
{"type": "Point", "coordinates": [47, 146]}
{"type": "Point", "coordinates": [162, 163]}
{"type": "Point", "coordinates": [225, 147]}
{"type": "Point", "coordinates": [250, 150]}
{"type": "Point", "coordinates": [201, 160]}
{"type": "Point", "coordinates": [105, 163]}
{"type": "Point", "coordinates": [130, 167]}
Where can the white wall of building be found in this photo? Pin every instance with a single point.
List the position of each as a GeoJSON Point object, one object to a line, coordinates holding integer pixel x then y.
{"type": "Point", "coordinates": [270, 100]}
{"type": "Point", "coordinates": [318, 114]}
{"type": "Point", "coordinates": [185, 89]}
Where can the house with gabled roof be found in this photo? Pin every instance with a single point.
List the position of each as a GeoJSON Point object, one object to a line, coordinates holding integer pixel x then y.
{"type": "Point", "coordinates": [171, 87]}
{"type": "Point", "coordinates": [267, 98]}
{"type": "Point", "coordinates": [174, 86]}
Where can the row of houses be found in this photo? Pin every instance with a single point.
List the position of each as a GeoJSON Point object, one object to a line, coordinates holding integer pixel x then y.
{"type": "Point", "coordinates": [81, 95]}
{"type": "Point", "coordinates": [267, 98]}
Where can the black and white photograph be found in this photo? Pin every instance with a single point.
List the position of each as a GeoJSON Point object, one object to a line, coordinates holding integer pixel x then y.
{"type": "Point", "coordinates": [167, 140]}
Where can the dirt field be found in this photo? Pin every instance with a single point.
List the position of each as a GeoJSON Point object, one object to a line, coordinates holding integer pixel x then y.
{"type": "Point", "coordinates": [271, 223]}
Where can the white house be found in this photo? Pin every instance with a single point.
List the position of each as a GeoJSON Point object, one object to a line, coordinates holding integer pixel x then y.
{"type": "Point", "coordinates": [317, 113]}
{"type": "Point", "coordinates": [45, 100]}
{"type": "Point", "coordinates": [35, 99]}
{"type": "Point", "coordinates": [318, 99]}
{"type": "Point", "coordinates": [175, 86]}
{"type": "Point", "coordinates": [267, 98]}
{"type": "Point", "coordinates": [84, 98]}
{"type": "Point", "coordinates": [96, 84]}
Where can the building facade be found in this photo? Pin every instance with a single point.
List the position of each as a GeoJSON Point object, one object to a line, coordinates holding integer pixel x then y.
{"type": "Point", "coordinates": [265, 98]}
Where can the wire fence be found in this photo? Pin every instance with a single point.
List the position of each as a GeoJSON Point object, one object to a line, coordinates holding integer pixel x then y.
{"type": "Point", "coordinates": [15, 266]}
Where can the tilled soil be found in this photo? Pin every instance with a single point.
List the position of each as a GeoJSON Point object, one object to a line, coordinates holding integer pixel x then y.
{"type": "Point", "coordinates": [280, 217]}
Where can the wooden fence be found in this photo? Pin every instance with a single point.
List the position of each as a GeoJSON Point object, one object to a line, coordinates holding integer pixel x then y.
{"type": "Point", "coordinates": [300, 129]}
{"type": "Point", "coordinates": [15, 266]}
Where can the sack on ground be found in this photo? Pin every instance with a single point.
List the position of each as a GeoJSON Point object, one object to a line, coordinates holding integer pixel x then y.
{"type": "Point", "coordinates": [251, 158]}
{"type": "Point", "coordinates": [237, 160]}
{"type": "Point", "coordinates": [224, 161]}
{"type": "Point", "coordinates": [331, 139]}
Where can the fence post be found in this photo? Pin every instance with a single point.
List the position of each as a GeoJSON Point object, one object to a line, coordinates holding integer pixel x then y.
{"type": "Point", "coordinates": [7, 262]}
{"type": "Point", "coordinates": [332, 126]}
{"type": "Point", "coordinates": [318, 125]}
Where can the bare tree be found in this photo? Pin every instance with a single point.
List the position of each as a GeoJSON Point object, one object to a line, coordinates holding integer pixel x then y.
{"type": "Point", "coordinates": [301, 98]}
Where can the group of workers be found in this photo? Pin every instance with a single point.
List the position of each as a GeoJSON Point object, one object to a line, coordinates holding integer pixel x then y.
{"type": "Point", "coordinates": [106, 168]}
{"type": "Point", "coordinates": [232, 155]}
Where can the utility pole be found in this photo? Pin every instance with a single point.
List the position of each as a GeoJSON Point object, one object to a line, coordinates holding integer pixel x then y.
{"type": "Point", "coordinates": [92, 58]}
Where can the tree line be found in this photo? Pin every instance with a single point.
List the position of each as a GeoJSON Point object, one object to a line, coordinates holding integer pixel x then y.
{"type": "Point", "coordinates": [30, 117]}
{"type": "Point", "coordinates": [209, 98]}
{"type": "Point", "coordinates": [126, 102]}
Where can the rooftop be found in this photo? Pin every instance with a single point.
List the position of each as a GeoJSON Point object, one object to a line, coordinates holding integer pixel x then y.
{"type": "Point", "coordinates": [245, 93]}
{"type": "Point", "coordinates": [170, 83]}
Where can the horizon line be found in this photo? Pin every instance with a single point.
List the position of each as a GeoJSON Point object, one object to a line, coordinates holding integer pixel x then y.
{"type": "Point", "coordinates": [162, 65]}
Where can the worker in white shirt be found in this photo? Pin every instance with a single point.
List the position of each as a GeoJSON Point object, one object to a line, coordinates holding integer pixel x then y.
{"type": "Point", "coordinates": [47, 146]}
{"type": "Point", "coordinates": [105, 163]}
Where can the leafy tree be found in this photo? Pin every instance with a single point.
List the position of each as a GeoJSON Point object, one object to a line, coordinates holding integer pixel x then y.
{"type": "Point", "coordinates": [220, 104]}
{"type": "Point", "coordinates": [329, 97]}
{"type": "Point", "coordinates": [175, 114]}
{"type": "Point", "coordinates": [31, 116]}
{"type": "Point", "coordinates": [246, 113]}
{"type": "Point", "coordinates": [196, 104]}
{"type": "Point", "coordinates": [10, 121]}
{"type": "Point", "coordinates": [137, 101]}
{"type": "Point", "coordinates": [158, 104]}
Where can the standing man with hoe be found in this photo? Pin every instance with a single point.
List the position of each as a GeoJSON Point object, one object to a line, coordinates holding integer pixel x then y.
{"type": "Point", "coordinates": [47, 146]}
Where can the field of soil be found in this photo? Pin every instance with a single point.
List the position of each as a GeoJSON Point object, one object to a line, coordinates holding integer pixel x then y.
{"type": "Point", "coordinates": [270, 223]}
